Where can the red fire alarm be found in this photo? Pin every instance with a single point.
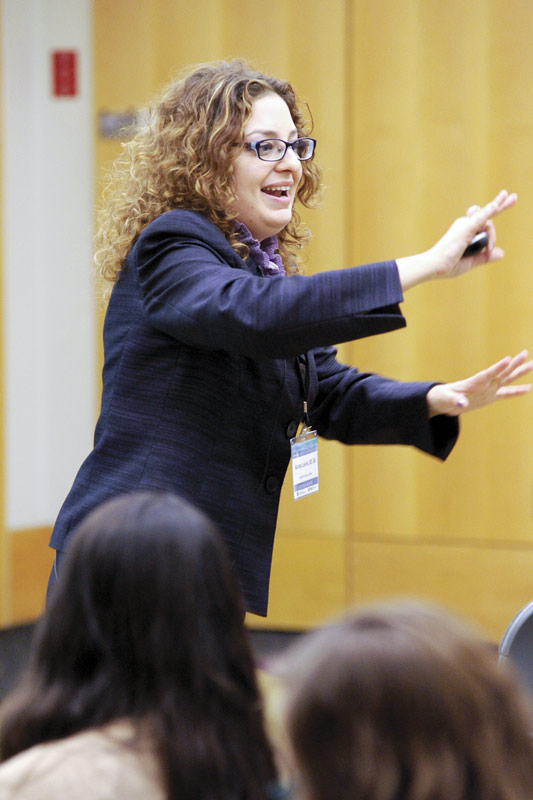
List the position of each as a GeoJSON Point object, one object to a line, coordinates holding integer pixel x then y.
{"type": "Point", "coordinates": [64, 73]}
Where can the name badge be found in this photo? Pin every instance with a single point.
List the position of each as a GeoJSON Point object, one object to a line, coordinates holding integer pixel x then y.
{"type": "Point", "coordinates": [304, 457]}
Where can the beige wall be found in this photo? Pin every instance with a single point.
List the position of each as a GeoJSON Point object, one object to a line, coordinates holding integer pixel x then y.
{"type": "Point", "coordinates": [421, 108]}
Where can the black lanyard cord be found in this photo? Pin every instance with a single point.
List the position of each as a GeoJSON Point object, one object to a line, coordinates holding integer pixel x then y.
{"type": "Point", "coordinates": [303, 375]}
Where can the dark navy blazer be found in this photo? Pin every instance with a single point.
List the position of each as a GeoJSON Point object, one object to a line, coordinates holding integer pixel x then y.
{"type": "Point", "coordinates": [201, 390]}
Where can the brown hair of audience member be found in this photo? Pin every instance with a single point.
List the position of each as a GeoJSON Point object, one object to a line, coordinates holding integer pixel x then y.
{"type": "Point", "coordinates": [405, 703]}
{"type": "Point", "coordinates": [146, 624]}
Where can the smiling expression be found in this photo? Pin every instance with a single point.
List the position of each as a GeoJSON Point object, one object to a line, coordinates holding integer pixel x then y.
{"type": "Point", "coordinates": [266, 190]}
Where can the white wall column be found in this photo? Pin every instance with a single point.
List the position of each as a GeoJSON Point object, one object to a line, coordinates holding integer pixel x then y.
{"type": "Point", "coordinates": [48, 308]}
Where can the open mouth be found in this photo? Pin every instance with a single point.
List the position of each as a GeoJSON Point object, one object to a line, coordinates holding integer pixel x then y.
{"type": "Point", "coordinates": [277, 191]}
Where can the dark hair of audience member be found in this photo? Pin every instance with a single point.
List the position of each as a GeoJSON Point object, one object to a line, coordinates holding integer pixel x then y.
{"type": "Point", "coordinates": [146, 623]}
{"type": "Point", "coordinates": [406, 703]}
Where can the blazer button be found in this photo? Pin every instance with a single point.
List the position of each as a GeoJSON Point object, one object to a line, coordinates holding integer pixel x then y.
{"type": "Point", "coordinates": [271, 484]}
{"type": "Point", "coordinates": [292, 428]}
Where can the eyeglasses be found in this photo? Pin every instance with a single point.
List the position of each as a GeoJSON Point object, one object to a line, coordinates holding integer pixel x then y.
{"type": "Point", "coordinates": [275, 149]}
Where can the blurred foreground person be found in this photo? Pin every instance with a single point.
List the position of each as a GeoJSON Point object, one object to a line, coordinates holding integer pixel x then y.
{"type": "Point", "coordinates": [404, 703]}
{"type": "Point", "coordinates": [141, 682]}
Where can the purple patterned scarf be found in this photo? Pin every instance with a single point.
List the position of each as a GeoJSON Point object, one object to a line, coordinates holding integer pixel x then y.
{"type": "Point", "coordinates": [264, 254]}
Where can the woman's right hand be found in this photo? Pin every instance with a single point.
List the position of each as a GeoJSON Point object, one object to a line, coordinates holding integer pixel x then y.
{"type": "Point", "coordinates": [497, 382]}
{"type": "Point", "coordinates": [445, 258]}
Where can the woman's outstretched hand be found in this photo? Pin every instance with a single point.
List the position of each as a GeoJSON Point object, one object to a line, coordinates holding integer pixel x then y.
{"type": "Point", "coordinates": [445, 259]}
{"type": "Point", "coordinates": [493, 383]}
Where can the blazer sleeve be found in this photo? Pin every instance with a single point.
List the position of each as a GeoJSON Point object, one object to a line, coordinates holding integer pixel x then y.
{"type": "Point", "coordinates": [362, 408]}
{"type": "Point", "coordinates": [193, 291]}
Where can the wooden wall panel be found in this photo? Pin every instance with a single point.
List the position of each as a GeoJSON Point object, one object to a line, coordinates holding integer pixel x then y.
{"type": "Point", "coordinates": [307, 583]}
{"type": "Point", "coordinates": [441, 102]}
{"type": "Point", "coordinates": [31, 562]}
{"type": "Point", "coordinates": [486, 582]}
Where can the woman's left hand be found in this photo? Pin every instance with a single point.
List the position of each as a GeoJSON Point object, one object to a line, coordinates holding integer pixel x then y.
{"type": "Point", "coordinates": [451, 264]}
{"type": "Point", "coordinates": [445, 259]}
{"type": "Point", "coordinates": [493, 383]}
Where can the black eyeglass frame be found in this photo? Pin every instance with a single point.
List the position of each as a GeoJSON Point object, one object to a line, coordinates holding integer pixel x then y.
{"type": "Point", "coordinates": [256, 145]}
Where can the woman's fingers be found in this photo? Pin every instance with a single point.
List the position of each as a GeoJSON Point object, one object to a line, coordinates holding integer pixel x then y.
{"type": "Point", "coordinates": [516, 367]}
{"type": "Point", "coordinates": [483, 388]}
{"type": "Point", "coordinates": [480, 219]}
{"type": "Point", "coordinates": [501, 202]}
{"type": "Point", "coordinates": [508, 202]}
{"type": "Point", "coordinates": [494, 382]}
{"type": "Point", "coordinates": [506, 392]}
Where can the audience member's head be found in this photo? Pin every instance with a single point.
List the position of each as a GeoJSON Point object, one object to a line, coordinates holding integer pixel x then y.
{"type": "Point", "coordinates": [405, 703]}
{"type": "Point", "coordinates": [146, 623]}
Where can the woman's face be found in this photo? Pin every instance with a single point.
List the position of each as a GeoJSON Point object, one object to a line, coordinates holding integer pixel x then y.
{"type": "Point", "coordinates": [266, 189]}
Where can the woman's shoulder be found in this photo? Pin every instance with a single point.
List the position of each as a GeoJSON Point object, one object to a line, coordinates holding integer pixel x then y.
{"type": "Point", "coordinates": [102, 762]}
{"type": "Point", "coordinates": [191, 228]}
{"type": "Point", "coordinates": [186, 223]}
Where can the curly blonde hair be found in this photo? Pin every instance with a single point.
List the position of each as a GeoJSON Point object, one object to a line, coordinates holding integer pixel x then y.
{"type": "Point", "coordinates": [183, 158]}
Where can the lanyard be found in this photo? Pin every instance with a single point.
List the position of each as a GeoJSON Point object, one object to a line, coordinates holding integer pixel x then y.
{"type": "Point", "coordinates": [304, 447]}
{"type": "Point", "coordinates": [303, 376]}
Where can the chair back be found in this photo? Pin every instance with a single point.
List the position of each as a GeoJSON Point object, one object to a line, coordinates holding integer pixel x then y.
{"type": "Point", "coordinates": [517, 644]}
